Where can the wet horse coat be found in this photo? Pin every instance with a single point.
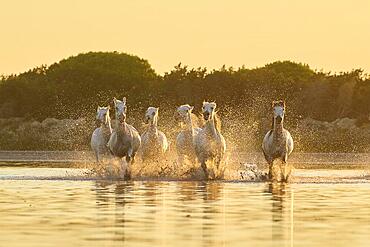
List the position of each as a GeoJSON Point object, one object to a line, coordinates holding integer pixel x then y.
{"type": "Point", "coordinates": [209, 143]}
{"type": "Point", "coordinates": [125, 139]}
{"type": "Point", "coordinates": [185, 139]}
{"type": "Point", "coordinates": [154, 142]}
{"type": "Point", "coordinates": [101, 134]}
{"type": "Point", "coordinates": [278, 143]}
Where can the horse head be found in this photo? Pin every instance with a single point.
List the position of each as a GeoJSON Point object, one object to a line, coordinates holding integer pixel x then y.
{"type": "Point", "coordinates": [279, 111]}
{"type": "Point", "coordinates": [151, 115]}
{"type": "Point", "coordinates": [209, 110]}
{"type": "Point", "coordinates": [102, 116]}
{"type": "Point", "coordinates": [120, 109]}
{"type": "Point", "coordinates": [183, 113]}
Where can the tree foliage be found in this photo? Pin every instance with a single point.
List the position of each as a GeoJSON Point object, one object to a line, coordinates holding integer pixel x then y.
{"type": "Point", "coordinates": [73, 87]}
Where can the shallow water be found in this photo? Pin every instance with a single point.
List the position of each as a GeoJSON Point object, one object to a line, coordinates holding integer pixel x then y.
{"type": "Point", "coordinates": [57, 206]}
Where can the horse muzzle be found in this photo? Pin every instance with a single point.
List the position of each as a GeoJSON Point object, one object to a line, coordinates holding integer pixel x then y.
{"type": "Point", "coordinates": [206, 116]}
{"type": "Point", "coordinates": [122, 118]}
{"type": "Point", "coordinates": [179, 118]}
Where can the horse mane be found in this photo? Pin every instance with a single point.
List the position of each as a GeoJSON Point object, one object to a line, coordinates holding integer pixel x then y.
{"type": "Point", "coordinates": [218, 124]}
{"type": "Point", "coordinates": [195, 120]}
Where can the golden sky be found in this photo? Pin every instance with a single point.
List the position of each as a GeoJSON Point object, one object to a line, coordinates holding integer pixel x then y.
{"type": "Point", "coordinates": [333, 35]}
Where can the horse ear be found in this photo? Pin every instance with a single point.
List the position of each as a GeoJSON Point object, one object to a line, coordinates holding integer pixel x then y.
{"type": "Point", "coordinates": [114, 100]}
{"type": "Point", "coordinates": [98, 109]}
{"type": "Point", "coordinates": [191, 108]}
{"type": "Point", "coordinates": [124, 100]}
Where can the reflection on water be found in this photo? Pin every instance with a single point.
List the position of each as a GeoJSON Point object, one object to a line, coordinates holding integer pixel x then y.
{"type": "Point", "coordinates": [103, 213]}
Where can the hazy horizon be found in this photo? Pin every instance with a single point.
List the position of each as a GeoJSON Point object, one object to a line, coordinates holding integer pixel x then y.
{"type": "Point", "coordinates": [330, 35]}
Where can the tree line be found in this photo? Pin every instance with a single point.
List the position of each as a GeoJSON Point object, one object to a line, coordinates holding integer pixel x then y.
{"type": "Point", "coordinates": [73, 87]}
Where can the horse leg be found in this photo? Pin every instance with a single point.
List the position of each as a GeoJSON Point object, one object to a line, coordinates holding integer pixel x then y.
{"type": "Point", "coordinates": [192, 159]}
{"type": "Point", "coordinates": [283, 168]}
{"type": "Point", "coordinates": [133, 159]}
{"type": "Point", "coordinates": [97, 156]}
{"type": "Point", "coordinates": [128, 168]}
{"type": "Point", "coordinates": [218, 162]}
{"type": "Point", "coordinates": [270, 162]}
{"type": "Point", "coordinates": [282, 171]}
{"type": "Point", "coordinates": [180, 159]}
{"type": "Point", "coordinates": [287, 175]}
{"type": "Point", "coordinates": [204, 167]}
{"type": "Point", "coordinates": [270, 174]}
{"type": "Point", "coordinates": [110, 151]}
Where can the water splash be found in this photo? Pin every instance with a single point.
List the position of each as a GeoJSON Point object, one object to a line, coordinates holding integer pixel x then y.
{"type": "Point", "coordinates": [169, 170]}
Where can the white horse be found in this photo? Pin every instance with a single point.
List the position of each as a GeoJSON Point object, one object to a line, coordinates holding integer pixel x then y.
{"type": "Point", "coordinates": [278, 143]}
{"type": "Point", "coordinates": [185, 139]}
{"type": "Point", "coordinates": [209, 143]}
{"type": "Point", "coordinates": [125, 139]}
{"type": "Point", "coordinates": [154, 142]}
{"type": "Point", "coordinates": [101, 134]}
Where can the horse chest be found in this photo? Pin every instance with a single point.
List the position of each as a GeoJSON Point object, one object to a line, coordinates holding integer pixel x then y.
{"type": "Point", "coordinates": [185, 142]}
{"type": "Point", "coordinates": [105, 134]}
{"type": "Point", "coordinates": [211, 145]}
{"type": "Point", "coordinates": [122, 145]}
{"type": "Point", "coordinates": [151, 144]}
{"type": "Point", "coordinates": [278, 146]}
{"type": "Point", "coordinates": [188, 140]}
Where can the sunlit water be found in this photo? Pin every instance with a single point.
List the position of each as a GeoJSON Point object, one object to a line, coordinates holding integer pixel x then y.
{"type": "Point", "coordinates": [61, 207]}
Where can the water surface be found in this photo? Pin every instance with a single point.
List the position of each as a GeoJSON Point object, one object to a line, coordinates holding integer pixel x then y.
{"type": "Point", "coordinates": [45, 207]}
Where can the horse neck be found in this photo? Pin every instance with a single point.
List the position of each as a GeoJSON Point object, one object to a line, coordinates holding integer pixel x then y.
{"type": "Point", "coordinates": [120, 128]}
{"type": "Point", "coordinates": [211, 127]}
{"type": "Point", "coordinates": [278, 129]}
{"type": "Point", "coordinates": [189, 124]}
{"type": "Point", "coordinates": [152, 128]}
{"type": "Point", "coordinates": [107, 126]}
